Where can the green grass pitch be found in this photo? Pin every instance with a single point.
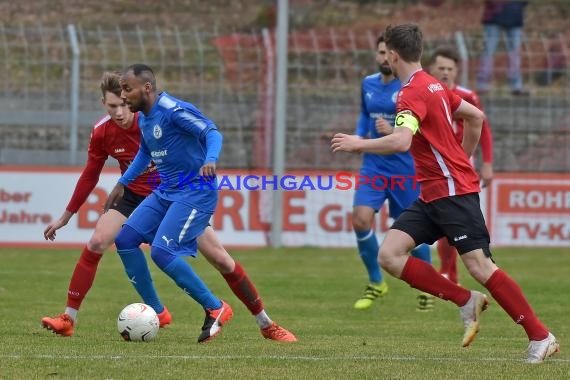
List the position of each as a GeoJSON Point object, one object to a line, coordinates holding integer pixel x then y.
{"type": "Point", "coordinates": [308, 290]}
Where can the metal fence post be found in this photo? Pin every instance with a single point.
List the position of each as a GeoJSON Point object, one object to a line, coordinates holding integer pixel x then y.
{"type": "Point", "coordinates": [269, 96]}
{"type": "Point", "coordinates": [280, 120]}
{"type": "Point", "coordinates": [74, 109]}
{"type": "Point", "coordinates": [464, 56]}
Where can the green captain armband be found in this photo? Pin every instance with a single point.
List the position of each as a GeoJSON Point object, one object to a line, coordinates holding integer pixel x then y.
{"type": "Point", "coordinates": [407, 120]}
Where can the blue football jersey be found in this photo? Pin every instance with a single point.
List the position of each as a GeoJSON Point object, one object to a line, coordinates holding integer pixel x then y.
{"type": "Point", "coordinates": [378, 99]}
{"type": "Point", "coordinates": [173, 136]}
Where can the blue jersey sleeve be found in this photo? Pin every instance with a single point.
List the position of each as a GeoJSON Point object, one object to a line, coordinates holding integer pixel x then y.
{"type": "Point", "coordinates": [364, 118]}
{"type": "Point", "coordinates": [194, 124]}
{"type": "Point", "coordinates": [362, 125]}
{"type": "Point", "coordinates": [139, 164]}
{"type": "Point", "coordinates": [213, 145]}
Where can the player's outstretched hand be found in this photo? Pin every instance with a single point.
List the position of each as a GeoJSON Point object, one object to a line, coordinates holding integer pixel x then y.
{"type": "Point", "coordinates": [49, 232]}
{"type": "Point", "coordinates": [115, 196]}
{"type": "Point", "coordinates": [208, 171]}
{"type": "Point", "coordinates": [345, 143]}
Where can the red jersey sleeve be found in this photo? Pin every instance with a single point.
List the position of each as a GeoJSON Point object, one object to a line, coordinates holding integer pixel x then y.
{"type": "Point", "coordinates": [486, 139]}
{"type": "Point", "coordinates": [96, 157]}
{"type": "Point", "coordinates": [486, 142]}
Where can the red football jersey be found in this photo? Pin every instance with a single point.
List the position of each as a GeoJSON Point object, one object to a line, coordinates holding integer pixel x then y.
{"type": "Point", "coordinates": [486, 139]}
{"type": "Point", "coordinates": [108, 139]}
{"type": "Point", "coordinates": [442, 167]}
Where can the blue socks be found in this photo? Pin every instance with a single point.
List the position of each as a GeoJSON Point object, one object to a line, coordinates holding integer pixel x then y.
{"type": "Point", "coordinates": [137, 270]}
{"type": "Point", "coordinates": [185, 277]}
{"type": "Point", "coordinates": [134, 261]}
{"type": "Point", "coordinates": [422, 252]}
{"type": "Point", "coordinates": [127, 242]}
{"type": "Point", "coordinates": [368, 250]}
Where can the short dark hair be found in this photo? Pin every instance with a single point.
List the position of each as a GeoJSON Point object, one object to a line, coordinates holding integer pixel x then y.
{"type": "Point", "coordinates": [380, 39]}
{"type": "Point", "coordinates": [445, 51]}
{"type": "Point", "coordinates": [110, 83]}
{"type": "Point", "coordinates": [143, 72]}
{"type": "Point", "coordinates": [406, 40]}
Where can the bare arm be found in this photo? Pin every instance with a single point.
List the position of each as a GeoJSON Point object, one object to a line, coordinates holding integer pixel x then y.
{"type": "Point", "coordinates": [96, 157]}
{"type": "Point", "coordinates": [486, 142]}
{"type": "Point", "coordinates": [398, 142]}
{"type": "Point", "coordinates": [486, 173]}
{"type": "Point", "coordinates": [472, 124]}
{"type": "Point", "coordinates": [50, 230]}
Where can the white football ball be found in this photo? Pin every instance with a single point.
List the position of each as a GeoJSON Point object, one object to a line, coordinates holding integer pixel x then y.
{"type": "Point", "coordinates": [138, 322]}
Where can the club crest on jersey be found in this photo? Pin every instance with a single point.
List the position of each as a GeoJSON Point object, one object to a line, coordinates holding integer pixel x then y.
{"type": "Point", "coordinates": [395, 96]}
{"type": "Point", "coordinates": [157, 131]}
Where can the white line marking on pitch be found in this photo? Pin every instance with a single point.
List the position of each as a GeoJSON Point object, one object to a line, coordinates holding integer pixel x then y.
{"type": "Point", "coordinates": [270, 357]}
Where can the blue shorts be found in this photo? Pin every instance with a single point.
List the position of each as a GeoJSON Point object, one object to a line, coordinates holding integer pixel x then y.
{"type": "Point", "coordinates": [401, 192]}
{"type": "Point", "coordinates": [172, 226]}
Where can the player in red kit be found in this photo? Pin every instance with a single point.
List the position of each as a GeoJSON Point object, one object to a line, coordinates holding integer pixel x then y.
{"type": "Point", "coordinates": [444, 65]}
{"type": "Point", "coordinates": [117, 135]}
{"type": "Point", "coordinates": [449, 201]}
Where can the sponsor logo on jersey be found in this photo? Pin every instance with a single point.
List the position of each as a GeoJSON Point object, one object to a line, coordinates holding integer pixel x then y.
{"type": "Point", "coordinates": [119, 150]}
{"type": "Point", "coordinates": [433, 87]}
{"type": "Point", "coordinates": [159, 153]}
{"type": "Point", "coordinates": [383, 115]}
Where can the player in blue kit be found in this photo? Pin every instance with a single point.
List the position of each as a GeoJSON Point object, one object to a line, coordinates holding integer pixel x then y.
{"type": "Point", "coordinates": [184, 145]}
{"type": "Point", "coordinates": [378, 111]}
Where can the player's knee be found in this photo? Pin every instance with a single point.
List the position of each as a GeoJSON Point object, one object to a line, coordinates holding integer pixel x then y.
{"type": "Point", "coordinates": [99, 242]}
{"type": "Point", "coordinates": [387, 258]}
{"type": "Point", "coordinates": [360, 223]}
{"type": "Point", "coordinates": [382, 260]}
{"type": "Point", "coordinates": [128, 238]}
{"type": "Point", "coordinates": [161, 257]}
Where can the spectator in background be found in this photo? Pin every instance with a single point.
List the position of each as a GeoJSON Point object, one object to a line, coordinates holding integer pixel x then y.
{"type": "Point", "coordinates": [554, 61]}
{"type": "Point", "coordinates": [499, 17]}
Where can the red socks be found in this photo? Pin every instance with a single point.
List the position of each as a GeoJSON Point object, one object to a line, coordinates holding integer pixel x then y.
{"type": "Point", "coordinates": [244, 290]}
{"type": "Point", "coordinates": [82, 277]}
{"type": "Point", "coordinates": [510, 297]}
{"type": "Point", "coordinates": [423, 276]}
{"type": "Point", "coordinates": [448, 259]}
{"type": "Point", "coordinates": [504, 290]}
